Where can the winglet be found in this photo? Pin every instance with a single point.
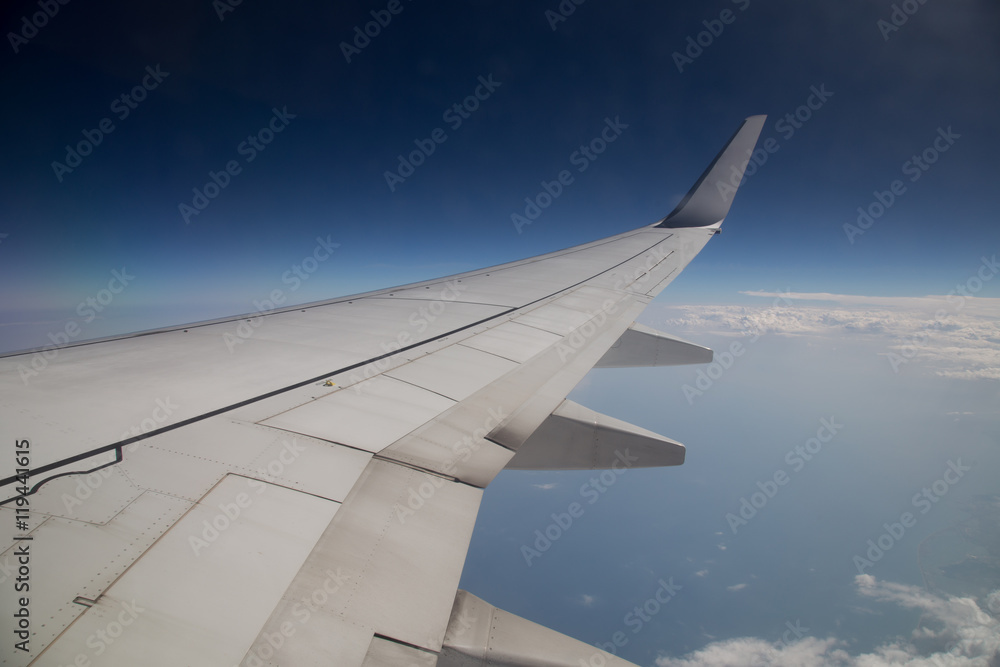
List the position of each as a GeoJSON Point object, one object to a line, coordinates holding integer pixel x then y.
{"type": "Point", "coordinates": [707, 203]}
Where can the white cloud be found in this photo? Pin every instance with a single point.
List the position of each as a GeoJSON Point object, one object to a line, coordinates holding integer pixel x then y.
{"type": "Point", "coordinates": [993, 602]}
{"type": "Point", "coordinates": [546, 486]}
{"type": "Point", "coordinates": [950, 336]}
{"type": "Point", "coordinates": [954, 632]}
{"type": "Point", "coordinates": [957, 622]}
{"type": "Point", "coordinates": [750, 652]}
{"type": "Point", "coordinates": [736, 587]}
{"type": "Point", "coordinates": [701, 573]}
{"type": "Point", "coordinates": [929, 303]}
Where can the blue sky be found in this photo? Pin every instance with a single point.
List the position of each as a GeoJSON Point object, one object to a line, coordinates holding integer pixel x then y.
{"type": "Point", "coordinates": [324, 173]}
{"type": "Point", "coordinates": [850, 104]}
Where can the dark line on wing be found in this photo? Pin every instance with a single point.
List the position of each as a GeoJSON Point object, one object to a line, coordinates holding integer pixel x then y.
{"type": "Point", "coordinates": [404, 643]}
{"type": "Point", "coordinates": [118, 459]}
{"type": "Point", "coordinates": [275, 392]}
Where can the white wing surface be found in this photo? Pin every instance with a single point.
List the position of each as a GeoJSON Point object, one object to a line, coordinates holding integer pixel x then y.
{"type": "Point", "coordinates": [300, 487]}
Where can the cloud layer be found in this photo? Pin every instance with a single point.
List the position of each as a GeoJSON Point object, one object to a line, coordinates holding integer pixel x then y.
{"type": "Point", "coordinates": [951, 336]}
{"type": "Point", "coordinates": [954, 632]}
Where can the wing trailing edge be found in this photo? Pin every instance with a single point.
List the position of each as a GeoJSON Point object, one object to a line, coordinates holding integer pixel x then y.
{"type": "Point", "coordinates": [707, 202]}
{"type": "Point", "coordinates": [480, 634]}
{"type": "Point", "coordinates": [577, 438]}
{"type": "Point", "coordinates": [641, 346]}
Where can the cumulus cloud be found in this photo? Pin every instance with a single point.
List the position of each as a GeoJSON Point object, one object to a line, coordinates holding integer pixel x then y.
{"type": "Point", "coordinates": [954, 632]}
{"type": "Point", "coordinates": [736, 587]}
{"type": "Point", "coordinates": [750, 652]}
{"type": "Point", "coordinates": [950, 624]}
{"type": "Point", "coordinates": [956, 337]}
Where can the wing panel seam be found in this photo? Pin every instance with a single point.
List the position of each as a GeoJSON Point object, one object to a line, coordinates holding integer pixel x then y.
{"type": "Point", "coordinates": [275, 392]}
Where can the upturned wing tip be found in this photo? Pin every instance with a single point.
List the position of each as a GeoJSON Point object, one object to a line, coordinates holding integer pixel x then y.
{"type": "Point", "coordinates": [707, 203]}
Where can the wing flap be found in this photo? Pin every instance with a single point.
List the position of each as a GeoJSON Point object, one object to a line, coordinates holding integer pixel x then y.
{"type": "Point", "coordinates": [577, 438]}
{"type": "Point", "coordinates": [642, 346]}
{"type": "Point", "coordinates": [397, 546]}
{"type": "Point", "coordinates": [480, 634]}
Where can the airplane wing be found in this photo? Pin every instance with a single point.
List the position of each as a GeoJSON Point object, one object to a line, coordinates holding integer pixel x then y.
{"type": "Point", "coordinates": [299, 486]}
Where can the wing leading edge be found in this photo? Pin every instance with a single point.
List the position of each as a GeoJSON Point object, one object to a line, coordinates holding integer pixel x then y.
{"type": "Point", "coordinates": [311, 494]}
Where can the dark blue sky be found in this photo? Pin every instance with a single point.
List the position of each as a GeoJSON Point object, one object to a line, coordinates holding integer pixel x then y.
{"type": "Point", "coordinates": [324, 173]}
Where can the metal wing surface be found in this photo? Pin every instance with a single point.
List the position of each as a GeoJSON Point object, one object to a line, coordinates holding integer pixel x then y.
{"type": "Point", "coordinates": [299, 487]}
